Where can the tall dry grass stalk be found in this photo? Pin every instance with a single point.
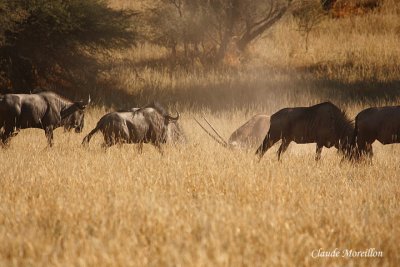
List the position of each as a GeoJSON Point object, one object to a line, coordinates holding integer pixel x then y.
{"type": "Point", "coordinates": [355, 57]}
{"type": "Point", "coordinates": [200, 204]}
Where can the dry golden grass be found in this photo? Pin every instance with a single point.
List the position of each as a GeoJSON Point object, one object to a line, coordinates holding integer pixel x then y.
{"type": "Point", "coordinates": [198, 205]}
{"type": "Point", "coordinates": [353, 59]}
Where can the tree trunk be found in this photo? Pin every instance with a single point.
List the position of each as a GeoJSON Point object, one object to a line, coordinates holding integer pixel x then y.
{"type": "Point", "coordinates": [259, 28]}
{"type": "Point", "coordinates": [232, 13]}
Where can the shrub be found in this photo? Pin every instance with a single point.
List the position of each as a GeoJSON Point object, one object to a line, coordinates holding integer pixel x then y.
{"type": "Point", "coordinates": [53, 42]}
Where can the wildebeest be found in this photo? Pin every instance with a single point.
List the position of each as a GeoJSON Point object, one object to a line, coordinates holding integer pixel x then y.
{"type": "Point", "coordinates": [149, 124]}
{"type": "Point", "coordinates": [376, 123]}
{"type": "Point", "coordinates": [44, 110]}
{"type": "Point", "coordinates": [324, 124]}
{"type": "Point", "coordinates": [247, 136]}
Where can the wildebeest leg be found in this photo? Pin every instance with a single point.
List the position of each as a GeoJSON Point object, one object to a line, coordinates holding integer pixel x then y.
{"type": "Point", "coordinates": [364, 148]}
{"type": "Point", "coordinates": [159, 148]}
{"type": "Point", "coordinates": [120, 143]}
{"type": "Point", "coordinates": [282, 148]}
{"type": "Point", "coordinates": [140, 147]}
{"type": "Point", "coordinates": [318, 152]}
{"type": "Point", "coordinates": [105, 146]}
{"type": "Point", "coordinates": [369, 152]}
{"type": "Point", "coordinates": [49, 134]}
{"type": "Point", "coordinates": [358, 152]}
{"type": "Point", "coordinates": [7, 135]}
{"type": "Point", "coordinates": [108, 141]}
{"type": "Point", "coordinates": [267, 144]}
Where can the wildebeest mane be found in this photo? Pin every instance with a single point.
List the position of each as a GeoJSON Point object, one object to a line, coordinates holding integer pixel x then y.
{"type": "Point", "coordinates": [344, 123]}
{"type": "Point", "coordinates": [157, 106]}
{"type": "Point", "coordinates": [341, 119]}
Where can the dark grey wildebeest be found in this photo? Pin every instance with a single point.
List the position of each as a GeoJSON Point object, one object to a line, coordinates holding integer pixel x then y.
{"type": "Point", "coordinates": [377, 123]}
{"type": "Point", "coordinates": [324, 124]}
{"type": "Point", "coordinates": [44, 110]}
{"type": "Point", "coordinates": [150, 124]}
{"type": "Point", "coordinates": [248, 136]}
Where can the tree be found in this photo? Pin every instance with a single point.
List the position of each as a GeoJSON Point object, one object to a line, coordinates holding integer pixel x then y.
{"type": "Point", "coordinates": [209, 27]}
{"type": "Point", "coordinates": [54, 41]}
{"type": "Point", "coordinates": [308, 14]}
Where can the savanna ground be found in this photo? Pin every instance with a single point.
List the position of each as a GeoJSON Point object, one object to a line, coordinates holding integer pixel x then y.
{"type": "Point", "coordinates": [200, 204]}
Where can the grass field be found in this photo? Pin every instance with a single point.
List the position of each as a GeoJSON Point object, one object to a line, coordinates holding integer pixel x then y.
{"type": "Point", "coordinates": [200, 204]}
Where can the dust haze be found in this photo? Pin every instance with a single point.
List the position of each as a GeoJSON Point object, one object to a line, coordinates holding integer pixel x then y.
{"type": "Point", "coordinates": [200, 204]}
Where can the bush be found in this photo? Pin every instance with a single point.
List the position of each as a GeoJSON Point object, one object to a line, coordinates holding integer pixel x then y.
{"type": "Point", "coordinates": [45, 42]}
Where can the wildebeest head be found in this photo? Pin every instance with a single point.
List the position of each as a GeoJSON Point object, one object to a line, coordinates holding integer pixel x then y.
{"type": "Point", "coordinates": [76, 120]}
{"type": "Point", "coordinates": [161, 111]}
{"type": "Point", "coordinates": [175, 133]}
{"type": "Point", "coordinates": [170, 130]}
{"type": "Point", "coordinates": [169, 118]}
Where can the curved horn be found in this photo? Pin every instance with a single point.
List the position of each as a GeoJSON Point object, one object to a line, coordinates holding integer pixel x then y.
{"type": "Point", "coordinates": [88, 102]}
{"type": "Point", "coordinates": [83, 104]}
{"type": "Point", "coordinates": [173, 118]}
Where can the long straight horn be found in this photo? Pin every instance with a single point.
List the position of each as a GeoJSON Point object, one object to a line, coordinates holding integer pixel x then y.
{"type": "Point", "coordinates": [212, 136]}
{"type": "Point", "coordinates": [215, 131]}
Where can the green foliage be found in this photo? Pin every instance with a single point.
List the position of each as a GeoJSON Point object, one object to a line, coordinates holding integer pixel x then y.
{"type": "Point", "coordinates": [46, 41]}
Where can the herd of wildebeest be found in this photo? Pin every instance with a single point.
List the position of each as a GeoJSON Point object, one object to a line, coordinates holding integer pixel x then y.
{"type": "Point", "coordinates": [324, 124]}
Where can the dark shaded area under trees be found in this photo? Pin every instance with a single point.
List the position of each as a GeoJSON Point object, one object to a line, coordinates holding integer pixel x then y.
{"type": "Point", "coordinates": [63, 46]}
{"type": "Point", "coordinates": [53, 43]}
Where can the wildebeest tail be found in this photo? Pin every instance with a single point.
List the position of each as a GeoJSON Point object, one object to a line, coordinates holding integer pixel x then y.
{"type": "Point", "coordinates": [87, 138]}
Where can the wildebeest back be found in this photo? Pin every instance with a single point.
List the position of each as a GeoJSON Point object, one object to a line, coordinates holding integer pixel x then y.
{"type": "Point", "coordinates": [307, 124]}
{"type": "Point", "coordinates": [378, 123]}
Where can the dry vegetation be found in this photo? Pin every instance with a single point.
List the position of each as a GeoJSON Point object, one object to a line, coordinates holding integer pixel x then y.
{"type": "Point", "coordinates": [199, 205]}
{"type": "Point", "coordinates": [202, 205]}
{"type": "Point", "coordinates": [350, 59]}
